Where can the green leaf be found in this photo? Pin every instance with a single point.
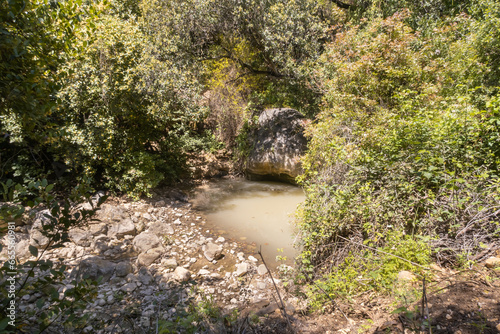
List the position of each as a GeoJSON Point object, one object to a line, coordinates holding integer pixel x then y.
{"type": "Point", "coordinates": [3, 323]}
{"type": "Point", "coordinates": [40, 302]}
{"type": "Point", "coordinates": [33, 250]}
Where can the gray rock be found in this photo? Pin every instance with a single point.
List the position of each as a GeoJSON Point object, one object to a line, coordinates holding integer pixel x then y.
{"type": "Point", "coordinates": [145, 241]}
{"type": "Point", "coordinates": [169, 263]}
{"type": "Point", "coordinates": [22, 246]}
{"type": "Point", "coordinates": [147, 258]}
{"type": "Point", "coordinates": [111, 213]}
{"type": "Point", "coordinates": [101, 243]}
{"type": "Point", "coordinates": [144, 276]}
{"type": "Point", "coordinates": [37, 237]}
{"type": "Point", "coordinates": [122, 228]}
{"type": "Point", "coordinates": [160, 228]}
{"type": "Point", "coordinates": [123, 269]}
{"type": "Point", "coordinates": [277, 145]}
{"type": "Point", "coordinates": [97, 229]}
{"type": "Point", "coordinates": [93, 268]}
{"type": "Point", "coordinates": [212, 251]}
{"type": "Point", "coordinates": [80, 236]}
{"type": "Point", "coordinates": [129, 287]}
{"type": "Point", "coordinates": [261, 270]}
{"type": "Point", "coordinates": [242, 269]}
{"type": "Point", "coordinates": [182, 274]}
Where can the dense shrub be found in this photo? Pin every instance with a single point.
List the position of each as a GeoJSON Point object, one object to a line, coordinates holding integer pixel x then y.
{"type": "Point", "coordinates": [401, 149]}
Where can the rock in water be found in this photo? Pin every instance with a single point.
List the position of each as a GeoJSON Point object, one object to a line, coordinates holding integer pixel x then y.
{"type": "Point", "coordinates": [277, 145]}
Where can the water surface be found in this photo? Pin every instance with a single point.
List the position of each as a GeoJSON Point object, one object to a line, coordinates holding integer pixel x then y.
{"type": "Point", "coordinates": [252, 211]}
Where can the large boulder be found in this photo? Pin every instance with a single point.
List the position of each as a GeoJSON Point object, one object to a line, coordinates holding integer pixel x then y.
{"type": "Point", "coordinates": [277, 145]}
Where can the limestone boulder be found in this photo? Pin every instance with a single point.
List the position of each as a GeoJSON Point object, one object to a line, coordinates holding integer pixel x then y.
{"type": "Point", "coordinates": [147, 258]}
{"type": "Point", "coordinates": [277, 145]}
{"type": "Point", "coordinates": [145, 241]}
{"type": "Point", "coordinates": [122, 228]}
{"type": "Point", "coordinates": [212, 251]}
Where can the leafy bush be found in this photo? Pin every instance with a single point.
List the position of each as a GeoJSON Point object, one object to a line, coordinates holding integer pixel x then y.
{"type": "Point", "coordinates": [401, 150]}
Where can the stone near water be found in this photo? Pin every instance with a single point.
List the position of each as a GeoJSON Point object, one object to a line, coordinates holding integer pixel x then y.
{"type": "Point", "coordinates": [212, 251]}
{"type": "Point", "coordinates": [278, 143]}
{"type": "Point", "coordinates": [261, 269]}
{"type": "Point", "coordinates": [241, 269]}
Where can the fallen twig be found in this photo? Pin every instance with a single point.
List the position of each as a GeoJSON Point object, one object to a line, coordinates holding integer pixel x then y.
{"type": "Point", "coordinates": [276, 288]}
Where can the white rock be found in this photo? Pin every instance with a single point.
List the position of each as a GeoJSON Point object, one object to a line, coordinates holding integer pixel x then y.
{"type": "Point", "coordinates": [182, 274]}
{"type": "Point", "coordinates": [251, 258]}
{"type": "Point", "coordinates": [262, 270]}
{"type": "Point", "coordinates": [169, 263]}
{"type": "Point", "coordinates": [241, 269]}
{"type": "Point", "coordinates": [203, 272]}
{"type": "Point", "coordinates": [212, 251]}
{"type": "Point", "coordinates": [220, 239]}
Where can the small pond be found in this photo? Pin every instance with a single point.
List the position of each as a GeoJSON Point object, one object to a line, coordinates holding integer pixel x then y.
{"type": "Point", "coordinates": [256, 212]}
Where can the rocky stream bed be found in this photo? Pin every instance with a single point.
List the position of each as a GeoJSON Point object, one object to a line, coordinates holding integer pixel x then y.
{"type": "Point", "coordinates": [157, 259]}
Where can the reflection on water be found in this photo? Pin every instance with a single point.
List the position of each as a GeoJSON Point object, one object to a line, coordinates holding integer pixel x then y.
{"type": "Point", "coordinates": [259, 212]}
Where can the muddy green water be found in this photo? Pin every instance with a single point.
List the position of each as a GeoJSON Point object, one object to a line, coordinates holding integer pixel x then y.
{"type": "Point", "coordinates": [259, 213]}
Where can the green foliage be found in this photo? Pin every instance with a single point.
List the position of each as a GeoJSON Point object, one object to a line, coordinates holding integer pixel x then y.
{"type": "Point", "coordinates": [371, 269]}
{"type": "Point", "coordinates": [125, 113]}
{"type": "Point", "coordinates": [406, 145]}
{"type": "Point", "coordinates": [34, 38]}
{"type": "Point", "coordinates": [200, 316]}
